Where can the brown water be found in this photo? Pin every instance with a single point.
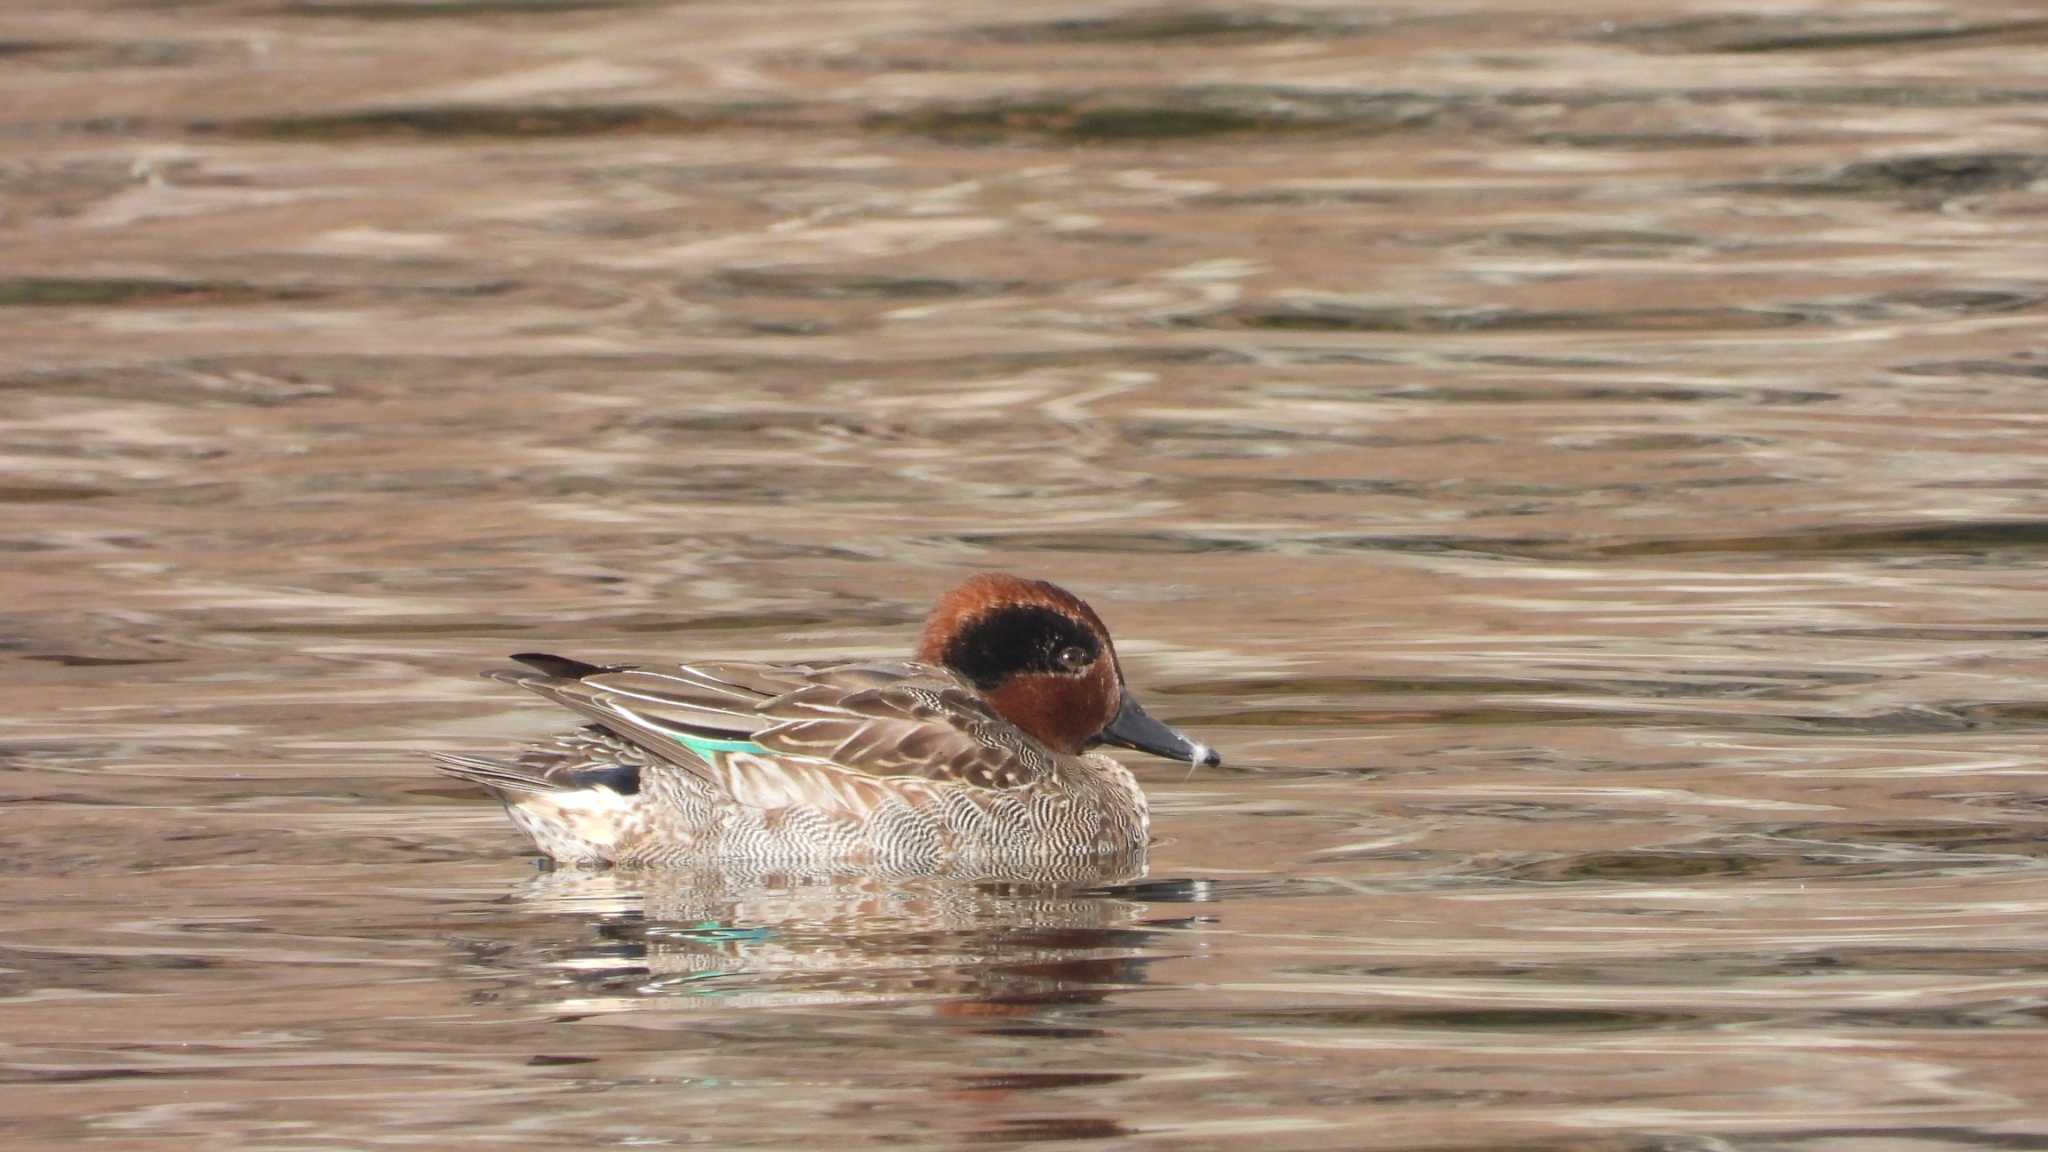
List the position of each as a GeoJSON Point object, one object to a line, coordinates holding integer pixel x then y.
{"type": "Point", "coordinates": [1582, 463]}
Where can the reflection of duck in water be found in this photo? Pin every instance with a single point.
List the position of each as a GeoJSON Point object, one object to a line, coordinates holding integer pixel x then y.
{"type": "Point", "coordinates": [974, 755]}
{"type": "Point", "coordinates": [752, 937]}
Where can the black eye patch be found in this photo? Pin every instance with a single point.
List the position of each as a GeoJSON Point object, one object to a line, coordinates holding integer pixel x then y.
{"type": "Point", "coordinates": [1014, 639]}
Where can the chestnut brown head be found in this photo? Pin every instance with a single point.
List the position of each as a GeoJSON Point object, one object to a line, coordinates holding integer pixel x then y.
{"type": "Point", "coordinates": [1043, 660]}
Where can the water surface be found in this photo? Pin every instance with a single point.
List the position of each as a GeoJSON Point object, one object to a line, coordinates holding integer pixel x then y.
{"type": "Point", "coordinates": [1583, 468]}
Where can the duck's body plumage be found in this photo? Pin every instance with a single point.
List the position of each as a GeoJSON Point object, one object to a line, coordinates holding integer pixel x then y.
{"type": "Point", "coordinates": [890, 764]}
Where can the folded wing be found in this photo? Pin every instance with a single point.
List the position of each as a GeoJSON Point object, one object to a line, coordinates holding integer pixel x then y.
{"type": "Point", "coordinates": [807, 725]}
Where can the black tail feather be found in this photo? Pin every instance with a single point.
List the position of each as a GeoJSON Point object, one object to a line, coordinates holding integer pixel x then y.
{"type": "Point", "coordinates": [560, 666]}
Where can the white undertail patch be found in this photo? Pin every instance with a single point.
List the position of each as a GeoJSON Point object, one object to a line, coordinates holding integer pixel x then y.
{"type": "Point", "coordinates": [595, 815]}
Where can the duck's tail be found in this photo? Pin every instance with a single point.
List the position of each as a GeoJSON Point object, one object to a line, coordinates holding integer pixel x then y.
{"type": "Point", "coordinates": [584, 825]}
{"type": "Point", "coordinates": [508, 782]}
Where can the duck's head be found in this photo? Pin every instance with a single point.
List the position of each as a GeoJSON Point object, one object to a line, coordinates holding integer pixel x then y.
{"type": "Point", "coordinates": [1042, 658]}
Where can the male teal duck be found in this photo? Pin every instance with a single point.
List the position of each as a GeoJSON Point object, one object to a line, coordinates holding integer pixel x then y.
{"type": "Point", "coordinates": [974, 753]}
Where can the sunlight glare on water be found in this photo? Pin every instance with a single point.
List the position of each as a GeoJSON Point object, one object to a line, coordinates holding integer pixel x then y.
{"type": "Point", "coordinates": [1581, 466]}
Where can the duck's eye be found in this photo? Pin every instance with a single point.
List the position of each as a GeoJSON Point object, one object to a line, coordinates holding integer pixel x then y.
{"type": "Point", "coordinates": [1072, 657]}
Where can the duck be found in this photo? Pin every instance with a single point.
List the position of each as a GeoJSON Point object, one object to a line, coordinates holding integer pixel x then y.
{"type": "Point", "coordinates": [979, 751]}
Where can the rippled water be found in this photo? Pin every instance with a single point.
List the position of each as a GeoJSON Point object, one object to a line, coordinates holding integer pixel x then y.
{"type": "Point", "coordinates": [1583, 465]}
